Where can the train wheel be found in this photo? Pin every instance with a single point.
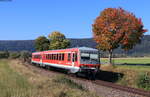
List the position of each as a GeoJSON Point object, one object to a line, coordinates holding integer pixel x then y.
{"type": "Point", "coordinates": [91, 75]}
{"type": "Point", "coordinates": [77, 74]}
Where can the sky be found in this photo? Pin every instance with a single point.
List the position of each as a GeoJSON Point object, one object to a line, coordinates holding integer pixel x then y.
{"type": "Point", "coordinates": [28, 19]}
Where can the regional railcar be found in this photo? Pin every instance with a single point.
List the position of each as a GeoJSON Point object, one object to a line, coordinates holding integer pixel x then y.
{"type": "Point", "coordinates": [75, 60]}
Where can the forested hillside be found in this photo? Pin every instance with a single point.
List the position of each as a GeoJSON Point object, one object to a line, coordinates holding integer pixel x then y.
{"type": "Point", "coordinates": [19, 45]}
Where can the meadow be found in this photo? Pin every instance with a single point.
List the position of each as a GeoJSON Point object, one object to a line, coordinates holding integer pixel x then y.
{"type": "Point", "coordinates": [16, 80]}
{"type": "Point", "coordinates": [135, 71]}
{"type": "Point", "coordinates": [138, 61]}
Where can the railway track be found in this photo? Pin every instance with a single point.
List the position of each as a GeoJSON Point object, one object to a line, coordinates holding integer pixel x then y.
{"type": "Point", "coordinates": [105, 84]}
{"type": "Point", "coordinates": [119, 87]}
{"type": "Point", "coordinates": [123, 88]}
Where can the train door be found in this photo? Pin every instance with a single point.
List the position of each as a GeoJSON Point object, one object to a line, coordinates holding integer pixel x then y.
{"type": "Point", "coordinates": [74, 58]}
{"type": "Point", "coordinates": [41, 59]}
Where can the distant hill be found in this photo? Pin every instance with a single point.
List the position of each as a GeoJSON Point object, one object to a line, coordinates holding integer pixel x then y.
{"type": "Point", "coordinates": [19, 45]}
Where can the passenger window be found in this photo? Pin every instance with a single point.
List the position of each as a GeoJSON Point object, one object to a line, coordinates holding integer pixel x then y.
{"type": "Point", "coordinates": [73, 57]}
{"type": "Point", "coordinates": [63, 57]}
{"type": "Point", "coordinates": [76, 57]}
{"type": "Point", "coordinates": [52, 56]}
{"type": "Point", "coordinates": [59, 57]}
{"type": "Point", "coordinates": [69, 56]}
{"type": "Point", "coordinates": [48, 56]}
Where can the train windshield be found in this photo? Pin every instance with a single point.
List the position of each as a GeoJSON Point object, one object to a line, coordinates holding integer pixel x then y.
{"type": "Point", "coordinates": [89, 58]}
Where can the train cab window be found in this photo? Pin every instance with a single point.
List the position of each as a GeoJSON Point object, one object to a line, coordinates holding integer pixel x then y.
{"type": "Point", "coordinates": [85, 56]}
{"type": "Point", "coordinates": [69, 56]}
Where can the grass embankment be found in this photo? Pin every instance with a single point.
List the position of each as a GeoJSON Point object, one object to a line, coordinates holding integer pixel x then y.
{"type": "Point", "coordinates": [16, 80]}
{"type": "Point", "coordinates": [11, 82]}
{"type": "Point", "coordinates": [143, 60]}
{"type": "Point", "coordinates": [133, 76]}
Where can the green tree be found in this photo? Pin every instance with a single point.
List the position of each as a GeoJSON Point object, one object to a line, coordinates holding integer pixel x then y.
{"type": "Point", "coordinates": [41, 43]}
{"type": "Point", "coordinates": [58, 41]}
{"type": "Point", "coordinates": [116, 27]}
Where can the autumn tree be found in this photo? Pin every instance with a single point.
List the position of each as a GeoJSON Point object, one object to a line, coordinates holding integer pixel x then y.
{"type": "Point", "coordinates": [116, 27]}
{"type": "Point", "coordinates": [58, 41]}
{"type": "Point", "coordinates": [41, 43]}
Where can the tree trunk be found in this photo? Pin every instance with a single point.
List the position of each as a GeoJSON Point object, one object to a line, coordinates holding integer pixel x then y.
{"type": "Point", "coordinates": [110, 57]}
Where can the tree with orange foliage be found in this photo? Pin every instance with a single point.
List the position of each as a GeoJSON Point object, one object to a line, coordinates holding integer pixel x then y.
{"type": "Point", "coordinates": [116, 27]}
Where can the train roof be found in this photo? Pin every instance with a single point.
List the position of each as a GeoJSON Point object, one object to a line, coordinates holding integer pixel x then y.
{"type": "Point", "coordinates": [80, 48]}
{"type": "Point", "coordinates": [87, 48]}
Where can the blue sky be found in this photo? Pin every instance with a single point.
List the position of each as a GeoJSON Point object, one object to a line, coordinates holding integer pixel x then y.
{"type": "Point", "coordinates": [28, 19]}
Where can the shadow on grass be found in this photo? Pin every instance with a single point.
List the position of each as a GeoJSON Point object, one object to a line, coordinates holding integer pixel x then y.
{"type": "Point", "coordinates": [109, 76]}
{"type": "Point", "coordinates": [101, 75]}
{"type": "Point", "coordinates": [135, 64]}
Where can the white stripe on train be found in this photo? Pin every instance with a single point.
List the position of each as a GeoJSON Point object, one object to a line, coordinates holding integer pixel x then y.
{"type": "Point", "coordinates": [73, 69]}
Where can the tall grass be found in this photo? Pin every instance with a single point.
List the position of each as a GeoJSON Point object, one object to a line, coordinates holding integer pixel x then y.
{"type": "Point", "coordinates": [143, 81]}
{"type": "Point", "coordinates": [12, 84]}
{"type": "Point", "coordinates": [68, 82]}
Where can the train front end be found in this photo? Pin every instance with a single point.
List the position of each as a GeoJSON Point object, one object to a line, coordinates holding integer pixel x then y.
{"type": "Point", "coordinates": [89, 61]}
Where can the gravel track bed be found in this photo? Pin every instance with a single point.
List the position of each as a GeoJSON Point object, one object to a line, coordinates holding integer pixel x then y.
{"type": "Point", "coordinates": [105, 91]}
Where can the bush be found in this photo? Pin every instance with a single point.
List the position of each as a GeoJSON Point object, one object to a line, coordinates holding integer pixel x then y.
{"type": "Point", "coordinates": [144, 81]}
{"type": "Point", "coordinates": [4, 54]}
{"type": "Point", "coordinates": [25, 55]}
{"type": "Point", "coordinates": [14, 55]}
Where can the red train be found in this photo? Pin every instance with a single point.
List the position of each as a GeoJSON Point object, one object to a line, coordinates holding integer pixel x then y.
{"type": "Point", "coordinates": [75, 60]}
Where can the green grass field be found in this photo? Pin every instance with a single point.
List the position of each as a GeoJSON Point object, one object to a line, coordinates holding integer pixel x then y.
{"type": "Point", "coordinates": [130, 71]}
{"type": "Point", "coordinates": [135, 68]}
{"type": "Point", "coordinates": [127, 60]}
{"type": "Point", "coordinates": [16, 80]}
